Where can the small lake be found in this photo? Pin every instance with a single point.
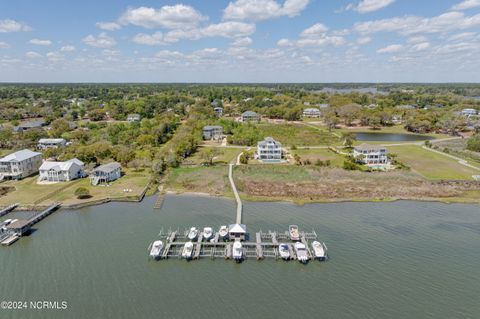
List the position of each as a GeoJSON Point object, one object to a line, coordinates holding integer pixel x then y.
{"type": "Point", "coordinates": [391, 137]}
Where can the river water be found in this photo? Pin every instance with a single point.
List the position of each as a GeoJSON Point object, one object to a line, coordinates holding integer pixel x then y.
{"type": "Point", "coordinates": [391, 137]}
{"type": "Point", "coordinates": [387, 260]}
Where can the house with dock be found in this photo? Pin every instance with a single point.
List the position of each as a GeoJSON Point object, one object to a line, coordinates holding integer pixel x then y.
{"type": "Point", "coordinates": [269, 150]}
{"type": "Point", "coordinates": [250, 116]}
{"type": "Point", "coordinates": [237, 231]}
{"type": "Point", "coordinates": [106, 173]}
{"type": "Point", "coordinates": [371, 155]}
{"type": "Point", "coordinates": [61, 171]}
{"type": "Point", "coordinates": [20, 164]}
{"type": "Point", "coordinates": [45, 143]}
{"type": "Point", "coordinates": [211, 132]}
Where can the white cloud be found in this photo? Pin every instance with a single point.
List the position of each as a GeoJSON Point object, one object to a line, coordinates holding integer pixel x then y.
{"type": "Point", "coordinates": [172, 17]}
{"type": "Point", "coordinates": [316, 31]}
{"type": "Point", "coordinates": [366, 6]}
{"type": "Point", "coordinates": [9, 25]}
{"type": "Point", "coordinates": [102, 41]}
{"type": "Point", "coordinates": [417, 39]}
{"type": "Point", "coordinates": [67, 48]}
{"type": "Point", "coordinates": [40, 42]}
{"type": "Point", "coordinates": [150, 39]}
{"type": "Point", "coordinates": [364, 40]}
{"type": "Point", "coordinates": [228, 29]}
{"type": "Point", "coordinates": [421, 46]}
{"type": "Point", "coordinates": [393, 48]}
{"type": "Point", "coordinates": [33, 55]}
{"type": "Point", "coordinates": [284, 43]}
{"type": "Point", "coordinates": [242, 42]}
{"type": "Point", "coordinates": [55, 56]}
{"type": "Point", "coordinates": [257, 10]}
{"type": "Point", "coordinates": [467, 4]}
{"type": "Point", "coordinates": [4, 45]}
{"type": "Point", "coordinates": [462, 36]}
{"type": "Point", "coordinates": [108, 26]}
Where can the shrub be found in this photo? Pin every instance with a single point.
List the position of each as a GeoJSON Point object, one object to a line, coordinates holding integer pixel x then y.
{"type": "Point", "coordinates": [82, 193]}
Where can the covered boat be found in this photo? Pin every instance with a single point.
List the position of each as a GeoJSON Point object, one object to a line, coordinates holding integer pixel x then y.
{"type": "Point", "coordinates": [223, 232]}
{"type": "Point", "coordinates": [193, 233]}
{"type": "Point", "coordinates": [319, 250]}
{"type": "Point", "coordinates": [293, 231]}
{"type": "Point", "coordinates": [301, 251]}
{"type": "Point", "coordinates": [237, 251]}
{"type": "Point", "coordinates": [208, 233]}
{"type": "Point", "coordinates": [156, 249]}
{"type": "Point", "coordinates": [284, 251]}
{"type": "Point", "coordinates": [187, 250]}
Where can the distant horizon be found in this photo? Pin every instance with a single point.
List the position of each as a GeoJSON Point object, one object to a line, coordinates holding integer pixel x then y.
{"type": "Point", "coordinates": [242, 83]}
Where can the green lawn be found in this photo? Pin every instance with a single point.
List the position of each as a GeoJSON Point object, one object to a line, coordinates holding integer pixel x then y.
{"type": "Point", "coordinates": [323, 154]}
{"type": "Point", "coordinates": [432, 165]}
{"type": "Point", "coordinates": [226, 155]}
{"type": "Point", "coordinates": [297, 134]}
{"type": "Point", "coordinates": [212, 180]}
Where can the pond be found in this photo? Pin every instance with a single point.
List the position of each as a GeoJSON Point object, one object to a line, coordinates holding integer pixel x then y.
{"type": "Point", "coordinates": [391, 137]}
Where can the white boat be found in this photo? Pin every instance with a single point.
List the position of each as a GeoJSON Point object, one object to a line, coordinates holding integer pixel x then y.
{"type": "Point", "coordinates": [284, 251]}
{"type": "Point", "coordinates": [319, 250]}
{"type": "Point", "coordinates": [237, 251]}
{"type": "Point", "coordinates": [223, 232]}
{"type": "Point", "coordinates": [6, 223]}
{"type": "Point", "coordinates": [193, 233]}
{"type": "Point", "coordinates": [294, 234]}
{"type": "Point", "coordinates": [301, 251]}
{"type": "Point", "coordinates": [187, 250]}
{"type": "Point", "coordinates": [208, 233]}
{"type": "Point", "coordinates": [156, 249]}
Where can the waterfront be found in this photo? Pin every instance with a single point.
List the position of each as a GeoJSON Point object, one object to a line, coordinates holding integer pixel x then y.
{"type": "Point", "coordinates": [387, 260]}
{"type": "Point", "coordinates": [391, 137]}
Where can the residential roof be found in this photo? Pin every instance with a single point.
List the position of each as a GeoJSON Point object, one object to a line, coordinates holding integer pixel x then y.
{"type": "Point", "coordinates": [19, 224]}
{"type": "Point", "coordinates": [311, 109]}
{"type": "Point", "coordinates": [369, 147]}
{"type": "Point", "coordinates": [19, 156]}
{"type": "Point", "coordinates": [51, 140]}
{"type": "Point", "coordinates": [269, 140]}
{"type": "Point", "coordinates": [249, 113]}
{"type": "Point", "coordinates": [60, 166]}
{"type": "Point", "coordinates": [212, 127]}
{"type": "Point", "coordinates": [32, 124]}
{"type": "Point", "coordinates": [134, 115]}
{"type": "Point", "coordinates": [237, 228]}
{"type": "Point", "coordinates": [107, 168]}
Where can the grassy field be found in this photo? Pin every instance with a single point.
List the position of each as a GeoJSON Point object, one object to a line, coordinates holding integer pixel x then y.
{"type": "Point", "coordinates": [204, 179]}
{"type": "Point", "coordinates": [395, 129]}
{"type": "Point", "coordinates": [432, 165]}
{"type": "Point", "coordinates": [297, 134]}
{"type": "Point", "coordinates": [28, 192]}
{"type": "Point", "coordinates": [323, 154]}
{"type": "Point", "coordinates": [227, 155]}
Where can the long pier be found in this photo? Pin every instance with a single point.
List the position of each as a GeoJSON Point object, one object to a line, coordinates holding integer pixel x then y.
{"type": "Point", "coordinates": [8, 209]}
{"type": "Point", "coordinates": [238, 219]}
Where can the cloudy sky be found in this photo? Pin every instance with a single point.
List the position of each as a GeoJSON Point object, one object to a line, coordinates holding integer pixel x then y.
{"type": "Point", "coordinates": [240, 41]}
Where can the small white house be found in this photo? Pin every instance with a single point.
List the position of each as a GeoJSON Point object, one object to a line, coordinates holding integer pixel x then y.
{"type": "Point", "coordinates": [106, 173]}
{"type": "Point", "coordinates": [133, 117]}
{"type": "Point", "coordinates": [61, 171]}
{"type": "Point", "coordinates": [237, 231]}
{"type": "Point", "coordinates": [371, 155]}
{"type": "Point", "coordinates": [20, 164]}
{"type": "Point", "coordinates": [250, 116]}
{"type": "Point", "coordinates": [469, 112]}
{"type": "Point", "coordinates": [45, 143]}
{"type": "Point", "coordinates": [311, 112]}
{"type": "Point", "coordinates": [269, 150]}
{"type": "Point", "coordinates": [212, 132]}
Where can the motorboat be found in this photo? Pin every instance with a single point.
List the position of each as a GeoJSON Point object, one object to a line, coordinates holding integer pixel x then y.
{"type": "Point", "coordinates": [156, 249]}
{"type": "Point", "coordinates": [223, 232]}
{"type": "Point", "coordinates": [284, 251]}
{"type": "Point", "coordinates": [237, 251]}
{"type": "Point", "coordinates": [6, 223]}
{"type": "Point", "coordinates": [301, 251]}
{"type": "Point", "coordinates": [187, 250]}
{"type": "Point", "coordinates": [294, 234]}
{"type": "Point", "coordinates": [207, 233]}
{"type": "Point", "coordinates": [319, 250]}
{"type": "Point", "coordinates": [193, 233]}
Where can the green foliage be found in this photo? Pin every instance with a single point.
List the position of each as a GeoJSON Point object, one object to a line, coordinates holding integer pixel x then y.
{"type": "Point", "coordinates": [473, 143]}
{"type": "Point", "coordinates": [246, 134]}
{"type": "Point", "coordinates": [82, 193]}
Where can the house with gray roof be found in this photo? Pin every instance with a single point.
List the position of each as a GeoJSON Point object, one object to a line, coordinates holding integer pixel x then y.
{"type": "Point", "coordinates": [212, 132]}
{"type": "Point", "coordinates": [269, 150]}
{"type": "Point", "coordinates": [134, 117]}
{"type": "Point", "coordinates": [45, 143]}
{"type": "Point", "coordinates": [25, 126]}
{"type": "Point", "coordinates": [106, 173]}
{"type": "Point", "coordinates": [20, 164]}
{"type": "Point", "coordinates": [61, 171]}
{"type": "Point", "coordinates": [250, 116]}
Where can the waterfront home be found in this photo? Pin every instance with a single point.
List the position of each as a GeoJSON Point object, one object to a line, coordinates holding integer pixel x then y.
{"type": "Point", "coordinates": [250, 116]}
{"type": "Point", "coordinates": [311, 112]}
{"type": "Point", "coordinates": [370, 155]}
{"type": "Point", "coordinates": [269, 150]}
{"type": "Point", "coordinates": [397, 119]}
{"type": "Point", "coordinates": [20, 164]}
{"type": "Point", "coordinates": [106, 173]}
{"type": "Point", "coordinates": [25, 126]}
{"type": "Point", "coordinates": [45, 143]}
{"type": "Point", "coordinates": [212, 132]}
{"type": "Point", "coordinates": [133, 118]}
{"type": "Point", "coordinates": [237, 231]}
{"type": "Point", "coordinates": [218, 111]}
{"type": "Point", "coordinates": [469, 112]}
{"type": "Point", "coordinates": [61, 171]}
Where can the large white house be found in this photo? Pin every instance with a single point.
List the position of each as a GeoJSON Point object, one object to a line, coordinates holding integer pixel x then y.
{"type": "Point", "coordinates": [311, 112]}
{"type": "Point", "coordinates": [269, 150]}
{"type": "Point", "coordinates": [371, 155]}
{"type": "Point", "coordinates": [20, 164]}
{"type": "Point", "coordinates": [469, 112]}
{"type": "Point", "coordinates": [61, 171]}
{"type": "Point", "coordinates": [45, 143]}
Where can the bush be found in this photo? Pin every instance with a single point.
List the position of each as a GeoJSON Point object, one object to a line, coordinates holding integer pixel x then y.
{"type": "Point", "coordinates": [350, 166]}
{"type": "Point", "coordinates": [473, 143]}
{"type": "Point", "coordinates": [82, 193]}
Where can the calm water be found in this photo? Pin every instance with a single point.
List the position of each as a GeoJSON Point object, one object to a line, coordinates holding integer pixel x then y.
{"type": "Point", "coordinates": [390, 137]}
{"type": "Point", "coordinates": [388, 260]}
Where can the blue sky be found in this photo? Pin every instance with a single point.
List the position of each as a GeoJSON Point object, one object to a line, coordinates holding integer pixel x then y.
{"type": "Point", "coordinates": [240, 41]}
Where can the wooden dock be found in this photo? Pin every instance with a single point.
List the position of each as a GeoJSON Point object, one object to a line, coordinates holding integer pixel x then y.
{"type": "Point", "coordinates": [8, 209]}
